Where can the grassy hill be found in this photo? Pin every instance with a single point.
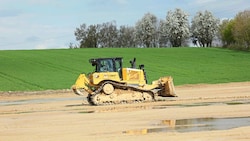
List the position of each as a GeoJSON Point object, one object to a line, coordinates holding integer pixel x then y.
{"type": "Point", "coordinates": [26, 70]}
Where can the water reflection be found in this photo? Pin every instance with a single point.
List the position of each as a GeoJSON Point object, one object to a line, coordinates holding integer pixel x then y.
{"type": "Point", "coordinates": [194, 125]}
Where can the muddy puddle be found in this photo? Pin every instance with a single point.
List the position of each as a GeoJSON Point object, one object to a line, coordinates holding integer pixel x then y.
{"type": "Point", "coordinates": [193, 125]}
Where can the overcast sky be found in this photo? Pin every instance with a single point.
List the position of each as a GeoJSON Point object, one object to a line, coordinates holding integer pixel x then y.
{"type": "Point", "coordinates": [50, 24]}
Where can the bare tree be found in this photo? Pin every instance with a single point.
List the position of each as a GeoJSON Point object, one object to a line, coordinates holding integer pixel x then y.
{"type": "Point", "coordinates": [108, 34]}
{"type": "Point", "coordinates": [81, 34]}
{"type": "Point", "coordinates": [88, 36]}
{"type": "Point", "coordinates": [126, 37]}
{"type": "Point", "coordinates": [92, 37]}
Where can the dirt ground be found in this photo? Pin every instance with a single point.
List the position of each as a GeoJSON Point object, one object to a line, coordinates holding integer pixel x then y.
{"type": "Point", "coordinates": [59, 116]}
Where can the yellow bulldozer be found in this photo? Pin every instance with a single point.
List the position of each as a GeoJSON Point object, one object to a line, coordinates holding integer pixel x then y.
{"type": "Point", "coordinates": [110, 83]}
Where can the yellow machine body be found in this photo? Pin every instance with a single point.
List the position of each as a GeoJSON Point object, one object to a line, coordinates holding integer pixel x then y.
{"type": "Point", "coordinates": [121, 83]}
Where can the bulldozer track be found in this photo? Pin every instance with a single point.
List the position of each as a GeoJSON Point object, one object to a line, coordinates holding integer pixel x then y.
{"type": "Point", "coordinates": [123, 94]}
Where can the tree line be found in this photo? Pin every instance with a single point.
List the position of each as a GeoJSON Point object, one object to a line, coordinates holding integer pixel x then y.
{"type": "Point", "coordinates": [235, 33]}
{"type": "Point", "coordinates": [173, 31]}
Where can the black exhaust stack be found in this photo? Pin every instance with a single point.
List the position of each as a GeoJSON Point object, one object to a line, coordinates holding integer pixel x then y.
{"type": "Point", "coordinates": [145, 75]}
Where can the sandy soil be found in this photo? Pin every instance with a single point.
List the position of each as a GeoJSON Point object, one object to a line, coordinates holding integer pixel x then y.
{"type": "Point", "coordinates": [58, 116]}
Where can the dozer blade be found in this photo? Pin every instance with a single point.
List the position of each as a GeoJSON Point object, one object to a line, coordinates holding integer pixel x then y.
{"type": "Point", "coordinates": [81, 84]}
{"type": "Point", "coordinates": [77, 91]}
{"type": "Point", "coordinates": [167, 87]}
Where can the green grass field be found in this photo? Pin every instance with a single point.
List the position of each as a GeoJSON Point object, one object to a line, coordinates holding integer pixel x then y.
{"type": "Point", "coordinates": [28, 70]}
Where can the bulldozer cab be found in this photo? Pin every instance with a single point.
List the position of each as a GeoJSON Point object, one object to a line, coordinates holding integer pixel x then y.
{"type": "Point", "coordinates": [107, 64]}
{"type": "Point", "coordinates": [129, 75]}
